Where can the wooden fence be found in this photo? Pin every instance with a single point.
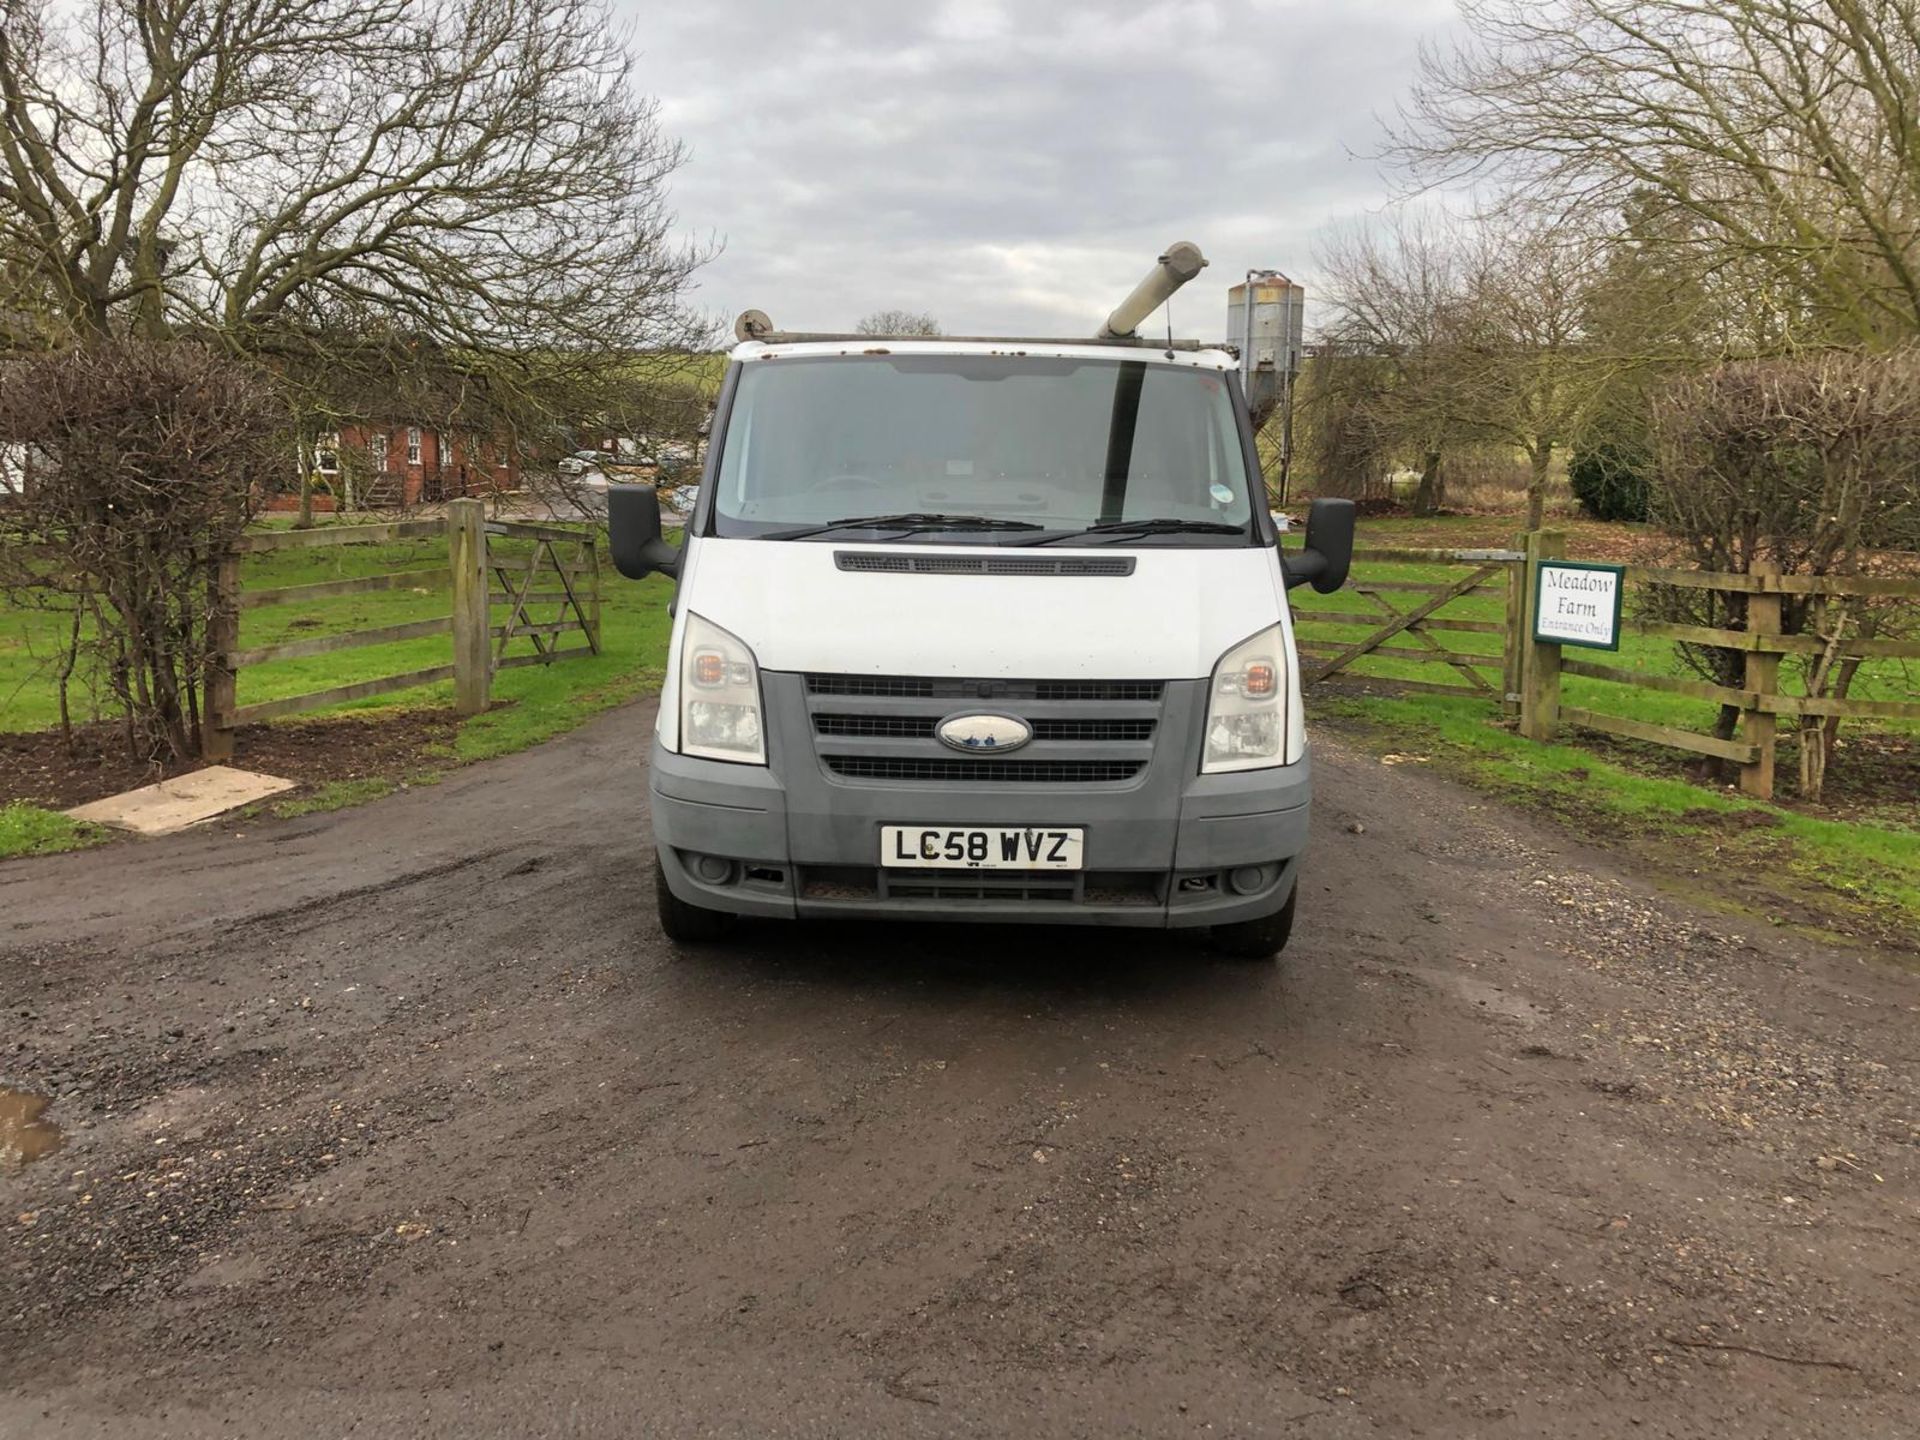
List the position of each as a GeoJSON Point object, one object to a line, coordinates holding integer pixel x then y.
{"type": "Point", "coordinates": [1759, 698]}
{"type": "Point", "coordinates": [570, 557]}
{"type": "Point", "coordinates": [1523, 676]}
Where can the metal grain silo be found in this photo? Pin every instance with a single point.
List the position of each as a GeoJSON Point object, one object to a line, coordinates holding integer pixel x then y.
{"type": "Point", "coordinates": [1270, 332]}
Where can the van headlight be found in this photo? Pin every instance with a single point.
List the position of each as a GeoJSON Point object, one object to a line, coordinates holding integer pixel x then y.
{"type": "Point", "coordinates": [719, 696]}
{"type": "Point", "coordinates": [1245, 706]}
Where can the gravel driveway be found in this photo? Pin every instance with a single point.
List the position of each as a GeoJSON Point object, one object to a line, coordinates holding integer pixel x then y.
{"type": "Point", "coordinates": [406, 1122]}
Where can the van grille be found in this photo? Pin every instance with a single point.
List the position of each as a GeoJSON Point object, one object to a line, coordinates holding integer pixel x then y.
{"type": "Point", "coordinates": [858, 883]}
{"type": "Point", "coordinates": [894, 727]}
{"type": "Point", "coordinates": [921, 727]}
{"type": "Point", "coordinates": [868, 685]}
{"type": "Point", "coordinates": [885, 728]}
{"type": "Point", "coordinates": [1094, 729]}
{"type": "Point", "coordinates": [1098, 689]}
{"type": "Point", "coordinates": [968, 771]}
{"type": "Point", "coordinates": [971, 885]}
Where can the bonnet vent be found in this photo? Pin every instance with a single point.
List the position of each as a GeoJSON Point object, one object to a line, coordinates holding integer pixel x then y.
{"type": "Point", "coordinates": [894, 563]}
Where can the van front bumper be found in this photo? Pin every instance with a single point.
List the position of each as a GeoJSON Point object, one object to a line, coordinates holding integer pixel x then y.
{"type": "Point", "coordinates": [1170, 852]}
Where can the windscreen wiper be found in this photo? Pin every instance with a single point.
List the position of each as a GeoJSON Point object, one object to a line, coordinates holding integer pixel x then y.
{"type": "Point", "coordinates": [912, 522]}
{"type": "Point", "coordinates": [1164, 526]}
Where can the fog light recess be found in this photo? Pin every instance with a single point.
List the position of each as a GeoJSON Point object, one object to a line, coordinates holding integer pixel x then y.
{"type": "Point", "coordinates": [712, 869]}
{"type": "Point", "coordinates": [1250, 879]}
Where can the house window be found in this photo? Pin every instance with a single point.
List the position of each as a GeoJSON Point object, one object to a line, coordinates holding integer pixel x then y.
{"type": "Point", "coordinates": [377, 448]}
{"type": "Point", "coordinates": [413, 445]}
{"type": "Point", "coordinates": [326, 455]}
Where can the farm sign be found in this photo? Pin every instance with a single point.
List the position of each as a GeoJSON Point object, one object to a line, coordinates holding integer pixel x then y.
{"type": "Point", "coordinates": [1576, 604]}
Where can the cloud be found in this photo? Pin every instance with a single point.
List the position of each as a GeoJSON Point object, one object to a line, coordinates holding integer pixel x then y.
{"type": "Point", "coordinates": [1015, 167]}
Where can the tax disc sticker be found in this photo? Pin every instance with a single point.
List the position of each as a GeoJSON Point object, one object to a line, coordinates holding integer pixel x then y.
{"type": "Point", "coordinates": [1221, 495]}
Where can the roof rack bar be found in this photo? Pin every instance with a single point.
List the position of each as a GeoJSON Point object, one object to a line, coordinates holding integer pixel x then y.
{"type": "Point", "coordinates": [1118, 342]}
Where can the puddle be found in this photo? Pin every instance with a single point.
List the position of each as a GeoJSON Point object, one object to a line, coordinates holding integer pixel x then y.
{"type": "Point", "coordinates": [24, 1136]}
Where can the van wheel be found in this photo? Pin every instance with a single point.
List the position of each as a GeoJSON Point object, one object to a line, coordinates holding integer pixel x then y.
{"type": "Point", "coordinates": [686, 924]}
{"type": "Point", "coordinates": [1260, 939]}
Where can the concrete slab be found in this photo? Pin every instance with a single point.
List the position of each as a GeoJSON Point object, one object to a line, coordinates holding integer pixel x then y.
{"type": "Point", "coordinates": [182, 801]}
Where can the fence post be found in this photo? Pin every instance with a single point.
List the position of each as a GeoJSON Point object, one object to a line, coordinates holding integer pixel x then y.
{"type": "Point", "coordinates": [472, 654]}
{"type": "Point", "coordinates": [1759, 727]}
{"type": "Point", "coordinates": [219, 686]}
{"type": "Point", "coordinates": [1540, 659]}
{"type": "Point", "coordinates": [1513, 658]}
{"type": "Point", "coordinates": [593, 579]}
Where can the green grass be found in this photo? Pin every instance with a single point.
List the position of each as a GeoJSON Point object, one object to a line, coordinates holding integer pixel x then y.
{"type": "Point", "coordinates": [337, 795]}
{"type": "Point", "coordinates": [549, 700]}
{"type": "Point", "coordinates": [29, 830]}
{"type": "Point", "coordinates": [531, 703]}
{"type": "Point", "coordinates": [29, 637]}
{"type": "Point", "coordinates": [1877, 680]}
{"type": "Point", "coordinates": [634, 628]}
{"type": "Point", "coordinates": [1836, 868]}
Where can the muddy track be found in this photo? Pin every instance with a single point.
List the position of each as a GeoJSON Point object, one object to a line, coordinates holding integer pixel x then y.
{"type": "Point", "coordinates": [405, 1121]}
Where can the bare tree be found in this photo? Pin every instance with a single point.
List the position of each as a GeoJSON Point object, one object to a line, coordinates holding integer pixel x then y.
{"type": "Point", "coordinates": [898, 322]}
{"type": "Point", "coordinates": [1395, 293]}
{"type": "Point", "coordinates": [1783, 130]}
{"type": "Point", "coordinates": [1343, 433]}
{"type": "Point", "coordinates": [1530, 374]}
{"type": "Point", "coordinates": [1482, 326]}
{"type": "Point", "coordinates": [295, 179]}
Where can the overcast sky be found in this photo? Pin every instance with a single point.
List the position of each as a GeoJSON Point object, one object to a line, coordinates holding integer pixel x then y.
{"type": "Point", "coordinates": [1013, 166]}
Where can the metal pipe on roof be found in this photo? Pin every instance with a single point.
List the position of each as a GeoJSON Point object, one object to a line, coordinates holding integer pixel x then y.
{"type": "Point", "coordinates": [1180, 264]}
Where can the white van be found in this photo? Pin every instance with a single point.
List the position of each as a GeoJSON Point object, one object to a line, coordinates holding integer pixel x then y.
{"type": "Point", "coordinates": [981, 630]}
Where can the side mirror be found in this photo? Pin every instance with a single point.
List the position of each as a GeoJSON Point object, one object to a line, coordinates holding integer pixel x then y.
{"type": "Point", "coordinates": [633, 533]}
{"type": "Point", "coordinates": [1329, 549]}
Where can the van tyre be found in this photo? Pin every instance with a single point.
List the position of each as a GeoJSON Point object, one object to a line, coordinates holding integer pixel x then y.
{"type": "Point", "coordinates": [686, 924]}
{"type": "Point", "coordinates": [1260, 939]}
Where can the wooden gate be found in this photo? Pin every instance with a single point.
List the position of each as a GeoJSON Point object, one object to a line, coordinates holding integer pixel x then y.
{"type": "Point", "coordinates": [561, 570]}
{"type": "Point", "coordinates": [1406, 626]}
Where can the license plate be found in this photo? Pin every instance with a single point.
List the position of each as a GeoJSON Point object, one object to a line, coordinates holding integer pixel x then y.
{"type": "Point", "coordinates": [980, 847]}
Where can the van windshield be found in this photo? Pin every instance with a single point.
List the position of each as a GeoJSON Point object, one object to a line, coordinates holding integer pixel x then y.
{"type": "Point", "coordinates": [995, 449]}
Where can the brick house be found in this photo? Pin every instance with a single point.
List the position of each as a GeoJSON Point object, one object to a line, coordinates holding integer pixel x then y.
{"type": "Point", "coordinates": [383, 464]}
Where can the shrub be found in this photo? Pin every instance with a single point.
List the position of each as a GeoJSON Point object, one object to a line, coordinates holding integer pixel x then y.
{"type": "Point", "coordinates": [1810, 464]}
{"type": "Point", "coordinates": [1612, 481]}
{"type": "Point", "coordinates": [147, 455]}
